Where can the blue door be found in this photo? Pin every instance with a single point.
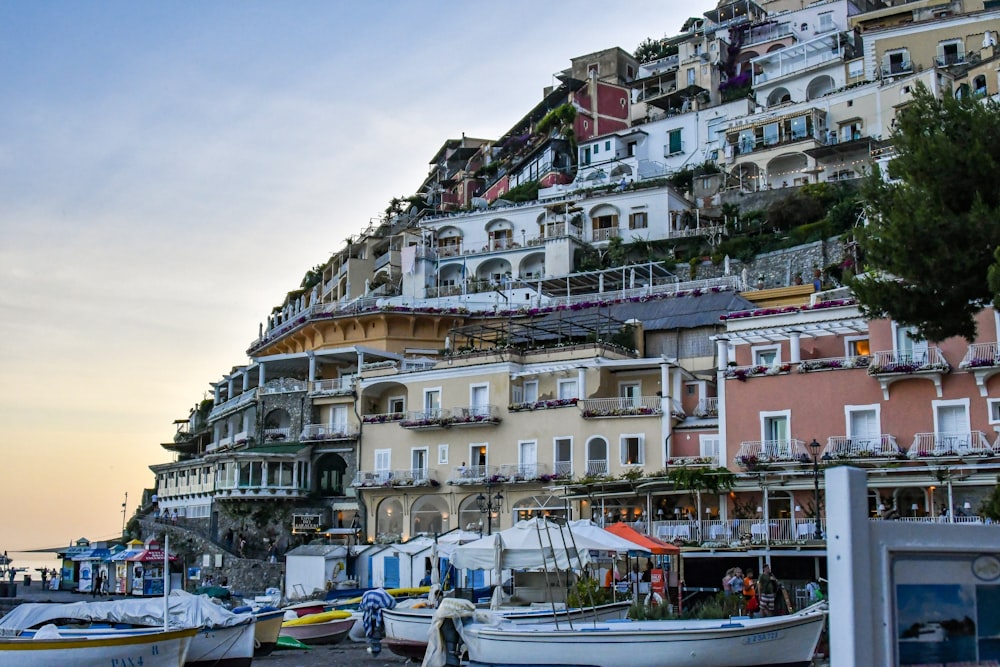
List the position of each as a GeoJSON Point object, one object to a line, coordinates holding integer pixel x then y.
{"type": "Point", "coordinates": [391, 568]}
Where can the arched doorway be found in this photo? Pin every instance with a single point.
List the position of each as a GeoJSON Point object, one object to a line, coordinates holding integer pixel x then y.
{"type": "Point", "coordinates": [597, 456]}
{"type": "Point", "coordinates": [389, 521]}
{"type": "Point", "coordinates": [329, 471]}
{"type": "Point", "coordinates": [429, 516]}
{"type": "Point", "coordinates": [469, 516]}
{"type": "Point", "coordinates": [277, 425]}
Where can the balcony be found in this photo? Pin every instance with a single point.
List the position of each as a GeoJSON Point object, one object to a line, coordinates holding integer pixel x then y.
{"type": "Point", "coordinates": [707, 407]}
{"type": "Point", "coordinates": [383, 418]}
{"type": "Point", "coordinates": [427, 419]}
{"type": "Point", "coordinates": [738, 533]}
{"type": "Point", "coordinates": [396, 478]}
{"type": "Point", "coordinates": [799, 57]}
{"type": "Point", "coordinates": [964, 444]}
{"type": "Point", "coordinates": [861, 448]}
{"type": "Point", "coordinates": [897, 67]}
{"type": "Point", "coordinates": [341, 386]}
{"type": "Point", "coordinates": [600, 408]}
{"type": "Point", "coordinates": [232, 404]}
{"type": "Point", "coordinates": [755, 453]}
{"type": "Point", "coordinates": [949, 59]}
{"type": "Point", "coordinates": [605, 234]}
{"type": "Point", "coordinates": [475, 415]}
{"type": "Point", "coordinates": [328, 432]}
{"type": "Point", "coordinates": [462, 475]}
{"type": "Point", "coordinates": [742, 373]}
{"type": "Point", "coordinates": [284, 386]}
{"type": "Point", "coordinates": [983, 359]}
{"type": "Point", "coordinates": [597, 468]}
{"type": "Point", "coordinates": [277, 434]}
{"type": "Point", "coordinates": [834, 363]}
{"type": "Point", "coordinates": [891, 366]}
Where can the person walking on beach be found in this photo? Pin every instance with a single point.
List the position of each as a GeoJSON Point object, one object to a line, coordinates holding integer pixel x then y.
{"type": "Point", "coordinates": [767, 588]}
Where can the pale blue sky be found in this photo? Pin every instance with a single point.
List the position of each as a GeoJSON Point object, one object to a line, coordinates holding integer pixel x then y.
{"type": "Point", "coordinates": [168, 170]}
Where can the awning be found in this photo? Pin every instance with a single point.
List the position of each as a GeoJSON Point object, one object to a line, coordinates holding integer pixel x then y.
{"type": "Point", "coordinates": [128, 554]}
{"type": "Point", "coordinates": [93, 554]}
{"type": "Point", "coordinates": [658, 547]}
{"type": "Point", "coordinates": [149, 556]}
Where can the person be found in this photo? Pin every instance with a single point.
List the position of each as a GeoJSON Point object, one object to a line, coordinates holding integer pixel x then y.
{"type": "Point", "coordinates": [727, 582]}
{"type": "Point", "coordinates": [814, 591]}
{"type": "Point", "coordinates": [173, 517]}
{"type": "Point", "coordinates": [612, 577]}
{"type": "Point", "coordinates": [96, 589]}
{"type": "Point", "coordinates": [767, 588]}
{"type": "Point", "coordinates": [426, 581]}
{"type": "Point", "coordinates": [272, 552]}
{"type": "Point", "coordinates": [243, 546]}
{"type": "Point", "coordinates": [45, 576]}
{"type": "Point", "coordinates": [749, 588]}
{"type": "Point", "coordinates": [647, 574]}
{"type": "Point", "coordinates": [737, 583]}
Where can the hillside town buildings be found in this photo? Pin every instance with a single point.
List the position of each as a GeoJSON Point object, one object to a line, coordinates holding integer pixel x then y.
{"type": "Point", "coordinates": [459, 364]}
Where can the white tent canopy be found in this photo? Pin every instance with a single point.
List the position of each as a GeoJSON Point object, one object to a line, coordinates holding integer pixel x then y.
{"type": "Point", "coordinates": [538, 543]}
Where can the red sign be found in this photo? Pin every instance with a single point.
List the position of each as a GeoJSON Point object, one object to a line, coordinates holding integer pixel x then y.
{"type": "Point", "coordinates": [656, 583]}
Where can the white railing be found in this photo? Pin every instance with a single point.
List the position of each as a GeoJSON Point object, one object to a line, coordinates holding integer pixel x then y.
{"type": "Point", "coordinates": [639, 406]}
{"type": "Point", "coordinates": [284, 386]}
{"type": "Point", "coordinates": [563, 469]}
{"type": "Point", "coordinates": [464, 474]}
{"type": "Point", "coordinates": [475, 414]}
{"type": "Point", "coordinates": [606, 234]}
{"type": "Point", "coordinates": [964, 443]}
{"type": "Point", "coordinates": [341, 385]}
{"type": "Point", "coordinates": [771, 451]}
{"type": "Point", "coordinates": [597, 467]}
{"type": "Point", "coordinates": [890, 361]}
{"type": "Point", "coordinates": [329, 432]}
{"type": "Point", "coordinates": [231, 404]}
{"type": "Point", "coordinates": [282, 433]}
{"type": "Point", "coordinates": [862, 447]}
{"type": "Point", "coordinates": [523, 472]}
{"type": "Point", "coordinates": [743, 531]}
{"type": "Point", "coordinates": [834, 363]}
{"type": "Point", "coordinates": [707, 407]}
{"type": "Point", "coordinates": [981, 355]}
{"type": "Point", "coordinates": [405, 477]}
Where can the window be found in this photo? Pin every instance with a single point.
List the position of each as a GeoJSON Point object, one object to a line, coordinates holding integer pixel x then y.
{"type": "Point", "coordinates": [531, 391]}
{"type": "Point", "coordinates": [825, 22]}
{"type": "Point", "coordinates": [607, 146]}
{"type": "Point", "coordinates": [442, 454]}
{"type": "Point", "coordinates": [432, 401]}
{"type": "Point", "coordinates": [638, 220]}
{"type": "Point", "coordinates": [775, 434]}
{"type": "Point", "coordinates": [632, 450]}
{"type": "Point", "coordinates": [597, 149]}
{"type": "Point", "coordinates": [896, 62]}
{"type": "Point", "coordinates": [863, 428]}
{"type": "Point", "coordinates": [950, 53]}
{"type": "Point", "coordinates": [630, 394]}
{"type": "Point", "coordinates": [568, 389]}
{"type": "Point", "coordinates": [585, 159]}
{"type": "Point", "coordinates": [952, 417]}
{"type": "Point", "coordinates": [479, 400]}
{"type": "Point", "coordinates": [908, 348]}
{"type": "Point", "coordinates": [418, 463]}
{"type": "Point", "coordinates": [527, 459]}
{"type": "Point", "coordinates": [593, 70]}
{"type": "Point", "coordinates": [710, 446]}
{"type": "Point", "coordinates": [397, 404]}
{"type": "Point", "coordinates": [383, 458]}
{"type": "Point", "coordinates": [597, 456]}
{"type": "Point", "coordinates": [477, 456]}
{"type": "Point", "coordinates": [858, 347]}
{"type": "Point", "coordinates": [770, 134]}
{"type": "Point", "coordinates": [674, 144]}
{"type": "Point", "coordinates": [564, 456]}
{"type": "Point", "coordinates": [799, 127]}
{"type": "Point", "coordinates": [769, 355]}
{"type": "Point", "coordinates": [993, 407]}
{"type": "Point", "coordinates": [691, 76]}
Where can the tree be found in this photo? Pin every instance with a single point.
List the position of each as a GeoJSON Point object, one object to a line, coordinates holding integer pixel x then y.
{"type": "Point", "coordinates": [933, 230]}
{"type": "Point", "coordinates": [651, 49]}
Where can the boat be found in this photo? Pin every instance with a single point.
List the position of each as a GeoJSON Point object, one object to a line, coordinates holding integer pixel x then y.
{"type": "Point", "coordinates": [407, 629]}
{"type": "Point", "coordinates": [47, 647]}
{"type": "Point", "coordinates": [223, 639]}
{"type": "Point", "coordinates": [926, 632]}
{"type": "Point", "coordinates": [267, 627]}
{"type": "Point", "coordinates": [324, 628]}
{"type": "Point", "coordinates": [735, 642]}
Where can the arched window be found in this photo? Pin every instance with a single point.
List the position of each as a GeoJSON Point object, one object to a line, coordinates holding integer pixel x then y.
{"type": "Point", "coordinates": [330, 469]}
{"type": "Point", "coordinates": [597, 456]}
{"type": "Point", "coordinates": [389, 521]}
{"type": "Point", "coordinates": [544, 506]}
{"type": "Point", "coordinates": [429, 516]}
{"type": "Point", "coordinates": [469, 516]}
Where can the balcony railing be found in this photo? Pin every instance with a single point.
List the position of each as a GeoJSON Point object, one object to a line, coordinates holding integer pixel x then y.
{"type": "Point", "coordinates": [432, 418]}
{"type": "Point", "coordinates": [597, 467]}
{"type": "Point", "coordinates": [930, 361]}
{"type": "Point", "coordinates": [755, 452]}
{"type": "Point", "coordinates": [834, 363]}
{"type": "Point", "coordinates": [383, 418]}
{"type": "Point", "coordinates": [277, 434]}
{"type": "Point", "coordinates": [882, 446]}
{"type": "Point", "coordinates": [949, 59]}
{"type": "Point", "coordinates": [394, 478]}
{"type": "Point", "coordinates": [341, 385]}
{"type": "Point", "coordinates": [901, 67]}
{"type": "Point", "coordinates": [605, 234]}
{"type": "Point", "coordinates": [757, 370]}
{"type": "Point", "coordinates": [739, 532]}
{"type": "Point", "coordinates": [942, 444]}
{"type": "Point", "coordinates": [639, 406]}
{"type": "Point", "coordinates": [232, 404]}
{"type": "Point", "coordinates": [327, 432]}
{"type": "Point", "coordinates": [473, 415]}
{"type": "Point", "coordinates": [469, 474]}
{"type": "Point", "coordinates": [525, 472]}
{"type": "Point", "coordinates": [563, 469]}
{"type": "Point", "coordinates": [981, 355]}
{"type": "Point", "coordinates": [707, 407]}
{"type": "Point", "coordinates": [284, 386]}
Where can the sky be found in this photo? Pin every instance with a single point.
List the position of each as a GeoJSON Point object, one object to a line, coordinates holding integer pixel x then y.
{"type": "Point", "coordinates": [170, 170]}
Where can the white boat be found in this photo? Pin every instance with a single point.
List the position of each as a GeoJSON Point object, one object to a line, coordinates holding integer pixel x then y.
{"type": "Point", "coordinates": [738, 642]}
{"type": "Point", "coordinates": [155, 649]}
{"type": "Point", "coordinates": [223, 639]}
{"type": "Point", "coordinates": [926, 632]}
{"type": "Point", "coordinates": [407, 629]}
{"type": "Point", "coordinates": [327, 631]}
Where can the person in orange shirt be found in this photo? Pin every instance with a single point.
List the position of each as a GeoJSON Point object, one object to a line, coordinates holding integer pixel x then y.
{"type": "Point", "coordinates": [749, 591]}
{"type": "Point", "coordinates": [612, 577]}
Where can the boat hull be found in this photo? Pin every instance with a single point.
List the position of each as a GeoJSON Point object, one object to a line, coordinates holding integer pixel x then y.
{"type": "Point", "coordinates": [267, 627]}
{"type": "Point", "coordinates": [161, 649]}
{"type": "Point", "coordinates": [407, 629]}
{"type": "Point", "coordinates": [330, 632]}
{"type": "Point", "coordinates": [222, 647]}
{"type": "Point", "coordinates": [783, 641]}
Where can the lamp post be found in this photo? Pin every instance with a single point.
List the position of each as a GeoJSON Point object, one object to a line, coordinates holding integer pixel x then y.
{"type": "Point", "coordinates": [489, 503]}
{"type": "Point", "coordinates": [814, 448]}
{"type": "Point", "coordinates": [123, 514]}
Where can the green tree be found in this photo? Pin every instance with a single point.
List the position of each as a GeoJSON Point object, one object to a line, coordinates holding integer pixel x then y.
{"type": "Point", "coordinates": [933, 230]}
{"type": "Point", "coordinates": [651, 49]}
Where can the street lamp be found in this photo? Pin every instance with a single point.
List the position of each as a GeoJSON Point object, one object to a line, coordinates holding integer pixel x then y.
{"type": "Point", "coordinates": [814, 447]}
{"type": "Point", "coordinates": [123, 514]}
{"type": "Point", "coordinates": [489, 503]}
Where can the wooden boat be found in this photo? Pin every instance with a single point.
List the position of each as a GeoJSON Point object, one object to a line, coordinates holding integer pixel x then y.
{"type": "Point", "coordinates": [267, 627]}
{"type": "Point", "coordinates": [154, 649]}
{"type": "Point", "coordinates": [406, 629]}
{"type": "Point", "coordinates": [738, 642]}
{"type": "Point", "coordinates": [222, 639]}
{"type": "Point", "coordinates": [325, 628]}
